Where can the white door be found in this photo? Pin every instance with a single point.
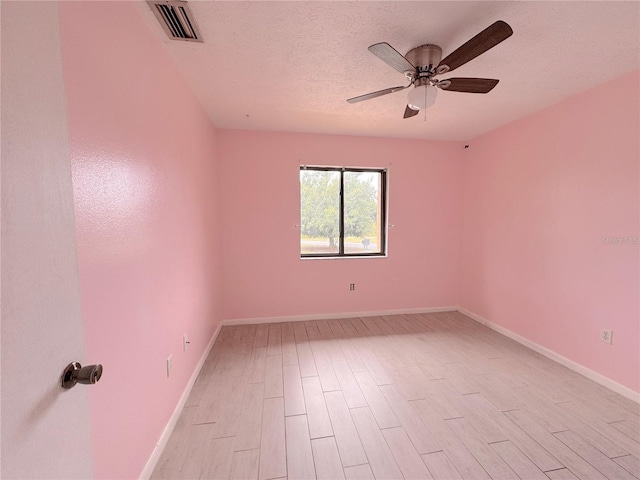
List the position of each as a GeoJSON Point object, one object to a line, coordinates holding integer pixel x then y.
{"type": "Point", "coordinates": [45, 429]}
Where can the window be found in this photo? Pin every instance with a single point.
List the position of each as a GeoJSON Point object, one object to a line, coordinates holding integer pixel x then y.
{"type": "Point", "coordinates": [342, 212]}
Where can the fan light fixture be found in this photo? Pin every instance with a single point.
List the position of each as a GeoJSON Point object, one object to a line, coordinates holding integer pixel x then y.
{"type": "Point", "coordinates": [421, 97]}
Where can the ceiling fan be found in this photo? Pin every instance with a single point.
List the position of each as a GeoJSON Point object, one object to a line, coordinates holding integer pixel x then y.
{"type": "Point", "coordinates": [421, 64]}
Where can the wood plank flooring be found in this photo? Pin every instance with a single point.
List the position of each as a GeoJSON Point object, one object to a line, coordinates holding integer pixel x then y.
{"type": "Point", "coordinates": [407, 396]}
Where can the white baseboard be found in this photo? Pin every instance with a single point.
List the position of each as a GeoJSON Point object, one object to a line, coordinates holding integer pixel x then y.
{"type": "Point", "coordinates": [330, 316]}
{"type": "Point", "coordinates": [576, 367]}
{"type": "Point", "coordinates": [166, 433]}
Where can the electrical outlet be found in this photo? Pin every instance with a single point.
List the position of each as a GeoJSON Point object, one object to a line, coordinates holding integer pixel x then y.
{"type": "Point", "coordinates": [169, 365]}
{"type": "Point", "coordinates": [352, 286]}
{"type": "Point", "coordinates": [607, 336]}
{"type": "Point", "coordinates": [185, 342]}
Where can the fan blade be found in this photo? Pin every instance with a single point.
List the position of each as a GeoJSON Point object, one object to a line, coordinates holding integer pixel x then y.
{"type": "Point", "coordinates": [410, 112]}
{"type": "Point", "coordinates": [391, 57]}
{"type": "Point", "coordinates": [469, 85]}
{"type": "Point", "coordinates": [485, 40]}
{"type": "Point", "coordinates": [379, 93]}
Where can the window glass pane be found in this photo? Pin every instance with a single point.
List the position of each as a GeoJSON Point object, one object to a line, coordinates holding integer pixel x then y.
{"type": "Point", "coordinates": [362, 212]}
{"type": "Point", "coordinates": [319, 212]}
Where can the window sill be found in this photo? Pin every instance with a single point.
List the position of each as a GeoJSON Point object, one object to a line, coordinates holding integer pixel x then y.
{"type": "Point", "coordinates": [350, 257]}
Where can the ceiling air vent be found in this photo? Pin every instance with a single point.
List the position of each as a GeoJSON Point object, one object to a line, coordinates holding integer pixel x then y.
{"type": "Point", "coordinates": [176, 20]}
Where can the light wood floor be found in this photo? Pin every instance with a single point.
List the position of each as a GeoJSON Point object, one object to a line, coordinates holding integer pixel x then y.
{"type": "Point", "coordinates": [405, 396]}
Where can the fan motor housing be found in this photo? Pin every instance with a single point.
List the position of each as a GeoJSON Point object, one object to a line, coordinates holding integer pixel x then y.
{"type": "Point", "coordinates": [425, 57]}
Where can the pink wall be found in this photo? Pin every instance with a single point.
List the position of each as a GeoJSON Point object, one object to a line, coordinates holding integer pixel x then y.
{"type": "Point", "coordinates": [262, 271]}
{"type": "Point", "coordinates": [145, 186]}
{"type": "Point", "coordinates": [541, 194]}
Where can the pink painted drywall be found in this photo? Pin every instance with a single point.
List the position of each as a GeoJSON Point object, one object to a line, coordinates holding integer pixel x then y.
{"type": "Point", "coordinates": [143, 159]}
{"type": "Point", "coordinates": [263, 273]}
{"type": "Point", "coordinates": [542, 195]}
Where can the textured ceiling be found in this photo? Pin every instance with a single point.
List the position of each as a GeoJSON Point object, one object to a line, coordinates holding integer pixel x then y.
{"type": "Point", "coordinates": [290, 66]}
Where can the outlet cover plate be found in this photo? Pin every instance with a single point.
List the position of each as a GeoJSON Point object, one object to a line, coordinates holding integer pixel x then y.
{"type": "Point", "coordinates": [607, 336]}
{"type": "Point", "coordinates": [169, 365]}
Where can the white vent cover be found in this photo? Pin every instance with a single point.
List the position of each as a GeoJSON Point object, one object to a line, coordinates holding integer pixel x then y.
{"type": "Point", "coordinates": [176, 20]}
